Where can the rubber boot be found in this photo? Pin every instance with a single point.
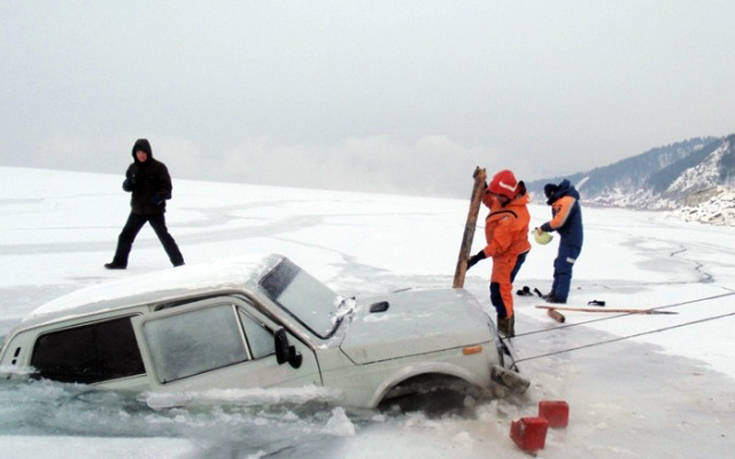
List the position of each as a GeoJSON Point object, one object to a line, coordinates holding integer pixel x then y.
{"type": "Point", "coordinates": [505, 326]}
{"type": "Point", "coordinates": [511, 326]}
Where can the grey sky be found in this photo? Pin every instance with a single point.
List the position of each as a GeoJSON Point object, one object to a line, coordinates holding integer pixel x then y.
{"type": "Point", "coordinates": [376, 95]}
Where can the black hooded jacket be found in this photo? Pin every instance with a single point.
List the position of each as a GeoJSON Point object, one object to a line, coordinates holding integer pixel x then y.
{"type": "Point", "coordinates": [148, 181]}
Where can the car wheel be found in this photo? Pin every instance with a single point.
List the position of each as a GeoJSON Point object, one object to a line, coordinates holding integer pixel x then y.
{"type": "Point", "coordinates": [435, 395]}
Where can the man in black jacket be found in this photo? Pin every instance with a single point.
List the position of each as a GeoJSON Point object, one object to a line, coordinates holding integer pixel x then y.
{"type": "Point", "coordinates": [150, 184]}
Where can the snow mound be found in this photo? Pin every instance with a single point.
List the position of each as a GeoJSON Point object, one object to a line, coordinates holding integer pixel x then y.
{"type": "Point", "coordinates": [719, 209]}
{"type": "Point", "coordinates": [339, 424]}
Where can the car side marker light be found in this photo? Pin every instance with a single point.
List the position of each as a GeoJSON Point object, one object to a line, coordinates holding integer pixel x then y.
{"type": "Point", "coordinates": [469, 350]}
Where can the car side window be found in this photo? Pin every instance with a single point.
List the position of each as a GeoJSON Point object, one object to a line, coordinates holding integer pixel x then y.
{"type": "Point", "coordinates": [259, 338]}
{"type": "Point", "coordinates": [194, 342]}
{"type": "Point", "coordinates": [89, 353]}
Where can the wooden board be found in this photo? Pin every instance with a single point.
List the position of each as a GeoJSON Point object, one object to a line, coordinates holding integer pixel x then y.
{"type": "Point", "coordinates": [469, 228]}
{"type": "Point", "coordinates": [618, 310]}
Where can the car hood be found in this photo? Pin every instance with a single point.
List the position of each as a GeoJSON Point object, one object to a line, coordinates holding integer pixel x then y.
{"type": "Point", "coordinates": [416, 322]}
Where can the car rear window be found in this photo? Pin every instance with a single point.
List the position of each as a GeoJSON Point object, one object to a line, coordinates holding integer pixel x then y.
{"type": "Point", "coordinates": [88, 354]}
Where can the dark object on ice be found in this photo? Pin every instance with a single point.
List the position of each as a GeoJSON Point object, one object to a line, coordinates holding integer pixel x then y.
{"type": "Point", "coordinates": [381, 306]}
{"type": "Point", "coordinates": [596, 303]}
{"type": "Point", "coordinates": [538, 292]}
{"type": "Point", "coordinates": [525, 291]}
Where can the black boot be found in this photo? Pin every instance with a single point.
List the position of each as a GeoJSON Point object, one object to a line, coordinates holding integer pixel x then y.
{"type": "Point", "coordinates": [511, 326]}
{"type": "Point", "coordinates": [506, 325]}
{"type": "Point", "coordinates": [115, 265]}
{"type": "Point", "coordinates": [551, 298]}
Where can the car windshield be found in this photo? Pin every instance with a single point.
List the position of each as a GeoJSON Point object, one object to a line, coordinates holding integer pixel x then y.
{"type": "Point", "coordinates": [309, 301]}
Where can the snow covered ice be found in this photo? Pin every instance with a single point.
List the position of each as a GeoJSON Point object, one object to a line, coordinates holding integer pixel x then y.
{"type": "Point", "coordinates": [665, 394]}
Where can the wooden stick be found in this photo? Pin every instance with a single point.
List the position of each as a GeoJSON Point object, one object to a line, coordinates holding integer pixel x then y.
{"type": "Point", "coordinates": [629, 311]}
{"type": "Point", "coordinates": [469, 228]}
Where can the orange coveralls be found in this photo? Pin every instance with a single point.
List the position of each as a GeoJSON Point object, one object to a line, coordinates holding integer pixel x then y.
{"type": "Point", "coordinates": [506, 233]}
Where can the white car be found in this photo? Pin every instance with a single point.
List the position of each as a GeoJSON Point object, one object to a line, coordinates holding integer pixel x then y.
{"type": "Point", "coordinates": [268, 324]}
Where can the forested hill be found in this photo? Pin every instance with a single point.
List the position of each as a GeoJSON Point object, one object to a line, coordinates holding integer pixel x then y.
{"type": "Point", "coordinates": [685, 173]}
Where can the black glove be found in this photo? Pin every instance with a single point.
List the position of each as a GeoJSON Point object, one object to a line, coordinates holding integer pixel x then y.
{"type": "Point", "coordinates": [161, 196]}
{"type": "Point", "coordinates": [475, 258]}
{"type": "Point", "coordinates": [129, 183]}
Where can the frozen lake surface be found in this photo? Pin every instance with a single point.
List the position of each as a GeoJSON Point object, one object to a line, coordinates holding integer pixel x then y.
{"type": "Point", "coordinates": [667, 393]}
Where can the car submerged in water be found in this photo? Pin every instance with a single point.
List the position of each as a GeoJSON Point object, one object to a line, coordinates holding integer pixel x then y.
{"type": "Point", "coordinates": [264, 325]}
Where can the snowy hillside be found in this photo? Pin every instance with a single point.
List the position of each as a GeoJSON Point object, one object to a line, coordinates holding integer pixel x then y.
{"type": "Point", "coordinates": [694, 178]}
{"type": "Point", "coordinates": [703, 176]}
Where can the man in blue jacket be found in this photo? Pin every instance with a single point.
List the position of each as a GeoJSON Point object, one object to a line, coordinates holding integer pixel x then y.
{"type": "Point", "coordinates": [567, 221]}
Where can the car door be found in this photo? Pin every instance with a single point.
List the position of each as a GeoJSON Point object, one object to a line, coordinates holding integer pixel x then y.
{"type": "Point", "coordinates": [217, 343]}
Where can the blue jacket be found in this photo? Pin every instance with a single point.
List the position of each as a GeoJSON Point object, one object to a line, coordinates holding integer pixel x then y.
{"type": "Point", "coordinates": [566, 214]}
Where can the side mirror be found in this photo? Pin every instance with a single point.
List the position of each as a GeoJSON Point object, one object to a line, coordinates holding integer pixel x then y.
{"type": "Point", "coordinates": [284, 351]}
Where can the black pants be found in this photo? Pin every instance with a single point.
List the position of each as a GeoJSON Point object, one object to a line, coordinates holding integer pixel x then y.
{"type": "Point", "coordinates": [132, 227]}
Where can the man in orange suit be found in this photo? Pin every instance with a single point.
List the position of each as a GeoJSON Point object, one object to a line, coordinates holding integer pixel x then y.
{"type": "Point", "coordinates": [506, 233]}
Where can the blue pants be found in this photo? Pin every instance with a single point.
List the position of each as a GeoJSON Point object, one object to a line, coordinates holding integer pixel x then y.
{"type": "Point", "coordinates": [563, 264]}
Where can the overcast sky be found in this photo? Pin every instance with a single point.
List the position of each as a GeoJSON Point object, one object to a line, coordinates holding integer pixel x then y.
{"type": "Point", "coordinates": [400, 95]}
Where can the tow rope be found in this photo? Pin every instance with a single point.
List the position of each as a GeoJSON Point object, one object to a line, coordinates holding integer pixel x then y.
{"type": "Point", "coordinates": [624, 314]}
{"type": "Point", "coordinates": [622, 338]}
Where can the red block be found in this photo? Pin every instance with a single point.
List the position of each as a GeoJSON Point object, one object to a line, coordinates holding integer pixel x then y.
{"type": "Point", "coordinates": [555, 411]}
{"type": "Point", "coordinates": [529, 433]}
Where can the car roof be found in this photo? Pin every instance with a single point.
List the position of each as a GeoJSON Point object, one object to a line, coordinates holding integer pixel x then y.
{"type": "Point", "coordinates": [241, 274]}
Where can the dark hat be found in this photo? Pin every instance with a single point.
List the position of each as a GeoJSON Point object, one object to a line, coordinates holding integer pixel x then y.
{"type": "Point", "coordinates": [142, 145]}
{"type": "Point", "coordinates": [550, 189]}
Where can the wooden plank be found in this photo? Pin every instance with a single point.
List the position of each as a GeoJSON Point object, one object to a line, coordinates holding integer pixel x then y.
{"type": "Point", "coordinates": [619, 310]}
{"type": "Point", "coordinates": [469, 228]}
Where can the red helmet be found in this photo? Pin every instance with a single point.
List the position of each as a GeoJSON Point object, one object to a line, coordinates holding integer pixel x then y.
{"type": "Point", "coordinates": [504, 183]}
